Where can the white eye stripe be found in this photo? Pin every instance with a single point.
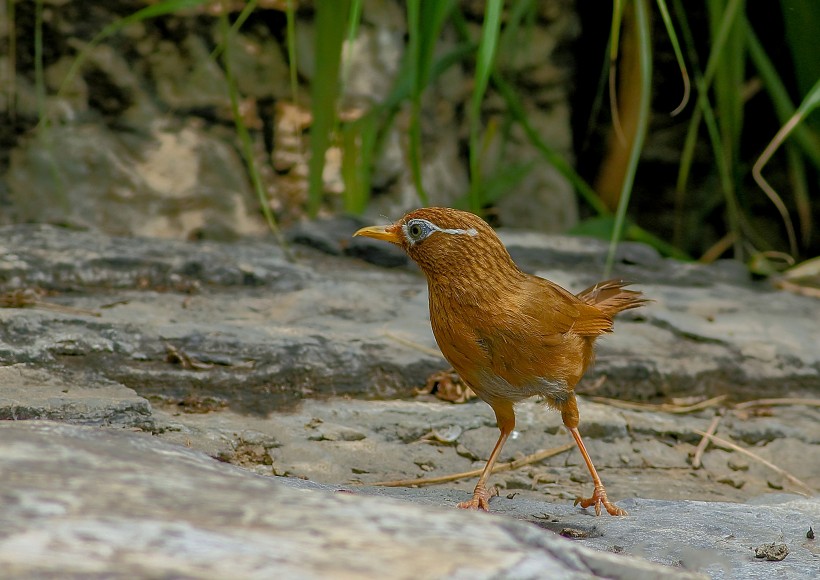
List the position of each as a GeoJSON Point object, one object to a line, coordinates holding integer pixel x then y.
{"type": "Point", "coordinates": [472, 232]}
{"type": "Point", "coordinates": [429, 227]}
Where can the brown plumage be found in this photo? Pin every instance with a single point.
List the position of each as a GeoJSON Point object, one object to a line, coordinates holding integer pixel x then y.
{"type": "Point", "coordinates": [509, 334]}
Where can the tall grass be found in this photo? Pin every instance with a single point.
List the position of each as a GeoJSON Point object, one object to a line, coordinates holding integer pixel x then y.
{"type": "Point", "coordinates": [330, 22]}
{"type": "Point", "coordinates": [719, 112]}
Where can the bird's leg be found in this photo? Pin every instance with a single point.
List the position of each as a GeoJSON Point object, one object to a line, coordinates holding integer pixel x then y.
{"type": "Point", "coordinates": [481, 496]}
{"type": "Point", "coordinates": [569, 414]}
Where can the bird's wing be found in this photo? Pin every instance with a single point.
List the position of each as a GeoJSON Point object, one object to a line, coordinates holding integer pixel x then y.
{"type": "Point", "coordinates": [555, 310]}
{"type": "Point", "coordinates": [538, 333]}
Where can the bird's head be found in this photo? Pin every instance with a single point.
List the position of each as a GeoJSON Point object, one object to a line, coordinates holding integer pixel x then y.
{"type": "Point", "coordinates": [445, 241]}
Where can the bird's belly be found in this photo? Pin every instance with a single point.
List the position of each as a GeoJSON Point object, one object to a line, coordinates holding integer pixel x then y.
{"type": "Point", "coordinates": [490, 387]}
{"type": "Point", "coordinates": [472, 360]}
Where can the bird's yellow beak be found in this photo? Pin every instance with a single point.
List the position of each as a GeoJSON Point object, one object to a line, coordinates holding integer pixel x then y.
{"type": "Point", "coordinates": [386, 233]}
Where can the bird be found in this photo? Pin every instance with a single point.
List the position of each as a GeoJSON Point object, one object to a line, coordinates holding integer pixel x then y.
{"type": "Point", "coordinates": [509, 334]}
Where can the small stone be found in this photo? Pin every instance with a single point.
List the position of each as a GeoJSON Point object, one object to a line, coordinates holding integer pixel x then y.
{"type": "Point", "coordinates": [543, 477]}
{"type": "Point", "coordinates": [464, 452]}
{"type": "Point", "coordinates": [518, 483]}
{"type": "Point", "coordinates": [735, 482]}
{"type": "Point", "coordinates": [574, 533]}
{"type": "Point", "coordinates": [448, 434]}
{"type": "Point", "coordinates": [738, 465]}
{"type": "Point", "coordinates": [332, 432]}
{"type": "Point", "coordinates": [772, 552]}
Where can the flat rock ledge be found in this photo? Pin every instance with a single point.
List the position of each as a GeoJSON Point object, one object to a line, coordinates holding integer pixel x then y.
{"type": "Point", "coordinates": [90, 502]}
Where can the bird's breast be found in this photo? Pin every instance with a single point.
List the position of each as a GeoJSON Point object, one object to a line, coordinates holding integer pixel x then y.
{"type": "Point", "coordinates": [494, 348]}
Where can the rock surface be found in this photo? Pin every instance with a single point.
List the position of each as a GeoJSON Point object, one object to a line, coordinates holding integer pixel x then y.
{"type": "Point", "coordinates": [307, 369]}
{"type": "Point", "coordinates": [80, 502]}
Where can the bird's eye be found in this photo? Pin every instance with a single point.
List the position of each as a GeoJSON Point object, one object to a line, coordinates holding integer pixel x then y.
{"type": "Point", "coordinates": [417, 230]}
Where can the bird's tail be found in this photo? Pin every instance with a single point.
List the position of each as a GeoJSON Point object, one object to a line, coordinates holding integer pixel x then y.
{"type": "Point", "coordinates": [611, 298]}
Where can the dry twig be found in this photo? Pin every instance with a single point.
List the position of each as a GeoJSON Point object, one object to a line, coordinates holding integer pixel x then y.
{"type": "Point", "coordinates": [663, 407]}
{"type": "Point", "coordinates": [30, 298]}
{"type": "Point", "coordinates": [415, 345]}
{"type": "Point", "coordinates": [777, 402]}
{"type": "Point", "coordinates": [696, 458]}
{"type": "Point", "coordinates": [746, 452]}
{"type": "Point", "coordinates": [499, 467]}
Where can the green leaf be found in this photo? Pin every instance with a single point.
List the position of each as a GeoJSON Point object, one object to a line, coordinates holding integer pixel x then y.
{"type": "Point", "coordinates": [330, 33]}
{"type": "Point", "coordinates": [246, 140]}
{"type": "Point", "coordinates": [359, 140]}
{"type": "Point", "coordinates": [424, 22]}
{"type": "Point", "coordinates": [483, 69]}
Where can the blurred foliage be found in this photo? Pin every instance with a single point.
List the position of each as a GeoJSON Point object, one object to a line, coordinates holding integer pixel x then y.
{"type": "Point", "coordinates": [729, 67]}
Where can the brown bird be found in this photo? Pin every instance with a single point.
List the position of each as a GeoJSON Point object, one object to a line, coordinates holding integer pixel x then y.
{"type": "Point", "coordinates": [509, 334]}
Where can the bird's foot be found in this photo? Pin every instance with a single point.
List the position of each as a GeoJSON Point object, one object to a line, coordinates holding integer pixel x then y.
{"type": "Point", "coordinates": [599, 499]}
{"type": "Point", "coordinates": [481, 499]}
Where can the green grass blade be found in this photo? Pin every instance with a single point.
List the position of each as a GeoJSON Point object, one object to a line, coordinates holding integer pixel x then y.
{"type": "Point", "coordinates": [673, 38]}
{"type": "Point", "coordinates": [548, 153]}
{"type": "Point", "coordinates": [413, 50]}
{"type": "Point", "coordinates": [235, 27]}
{"type": "Point", "coordinates": [424, 22]}
{"type": "Point", "coordinates": [517, 33]}
{"type": "Point", "coordinates": [11, 86]}
{"type": "Point", "coordinates": [330, 32]}
{"type": "Point", "coordinates": [718, 42]}
{"type": "Point", "coordinates": [614, 44]}
{"type": "Point", "coordinates": [724, 155]}
{"type": "Point", "coordinates": [801, 19]}
{"type": "Point", "coordinates": [359, 141]}
{"type": "Point", "coordinates": [246, 140]}
{"type": "Point", "coordinates": [811, 102]}
{"type": "Point", "coordinates": [431, 19]}
{"type": "Point", "coordinates": [601, 227]}
{"type": "Point", "coordinates": [691, 139]}
{"type": "Point", "coordinates": [780, 97]}
{"type": "Point", "coordinates": [722, 26]}
{"type": "Point", "coordinates": [484, 68]}
{"type": "Point", "coordinates": [645, 59]}
{"type": "Point", "coordinates": [291, 43]}
{"type": "Point", "coordinates": [615, 29]}
{"type": "Point", "coordinates": [727, 61]}
{"type": "Point", "coordinates": [352, 32]}
{"type": "Point", "coordinates": [152, 11]}
{"type": "Point", "coordinates": [39, 78]}
{"type": "Point", "coordinates": [800, 190]}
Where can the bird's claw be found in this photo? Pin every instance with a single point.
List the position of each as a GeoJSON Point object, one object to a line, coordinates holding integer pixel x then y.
{"type": "Point", "coordinates": [599, 499]}
{"type": "Point", "coordinates": [481, 499]}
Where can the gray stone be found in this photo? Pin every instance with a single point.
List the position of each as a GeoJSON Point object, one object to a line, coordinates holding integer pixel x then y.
{"type": "Point", "coordinates": [171, 182]}
{"type": "Point", "coordinates": [300, 368]}
{"type": "Point", "coordinates": [29, 393]}
{"type": "Point", "coordinates": [81, 502]}
{"type": "Point", "coordinates": [717, 539]}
